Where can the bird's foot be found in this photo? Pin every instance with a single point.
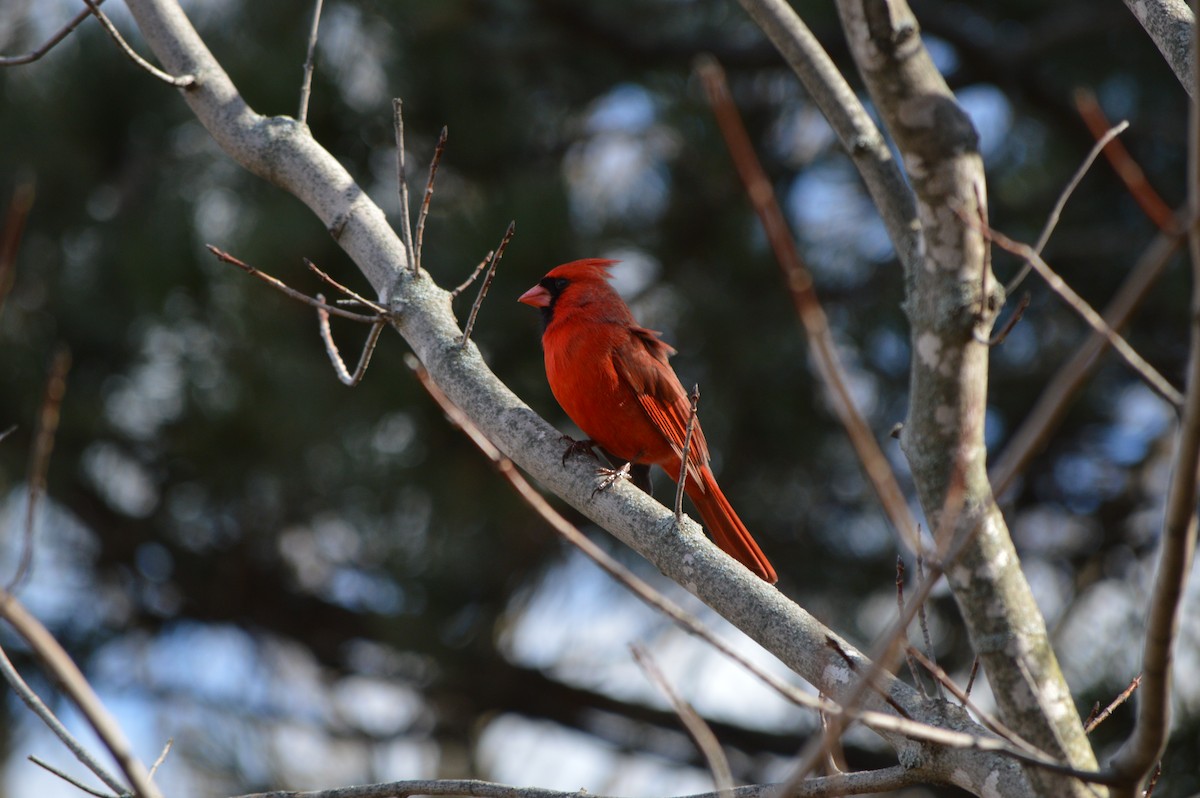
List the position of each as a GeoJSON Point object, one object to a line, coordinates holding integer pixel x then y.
{"type": "Point", "coordinates": [578, 447]}
{"type": "Point", "coordinates": [612, 476]}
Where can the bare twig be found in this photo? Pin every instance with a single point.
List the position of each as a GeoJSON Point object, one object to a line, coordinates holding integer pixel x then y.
{"type": "Point", "coordinates": [47, 716]}
{"type": "Point", "coordinates": [68, 778]}
{"type": "Point", "coordinates": [912, 663]}
{"type": "Point", "coordinates": [180, 82]}
{"type": "Point", "coordinates": [1069, 378]}
{"type": "Point", "coordinates": [39, 460]}
{"type": "Point", "coordinates": [287, 290]}
{"type": "Point", "coordinates": [359, 298]}
{"type": "Point", "coordinates": [701, 734]}
{"type": "Point", "coordinates": [1148, 740]}
{"type": "Point", "coordinates": [46, 46]}
{"type": "Point", "coordinates": [808, 306]}
{"type": "Point", "coordinates": [465, 284]}
{"type": "Point", "coordinates": [1017, 313]}
{"type": "Point", "coordinates": [433, 168]}
{"type": "Point", "coordinates": [1099, 717]}
{"type": "Point", "coordinates": [76, 686]}
{"type": "Point", "coordinates": [162, 757]}
{"type": "Point", "coordinates": [487, 282]}
{"type": "Point", "coordinates": [1143, 369]}
{"type": "Point", "coordinates": [309, 64]}
{"type": "Point", "coordinates": [971, 678]}
{"type": "Point", "coordinates": [1124, 165]}
{"type": "Point", "coordinates": [1056, 213]}
{"type": "Point", "coordinates": [923, 620]}
{"type": "Point", "coordinates": [335, 356]}
{"type": "Point", "coordinates": [683, 455]}
{"type": "Point", "coordinates": [871, 781]}
{"type": "Point", "coordinates": [406, 233]}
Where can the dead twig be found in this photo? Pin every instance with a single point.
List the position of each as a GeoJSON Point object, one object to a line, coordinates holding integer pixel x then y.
{"type": "Point", "coordinates": [701, 734]}
{"type": "Point", "coordinates": [1098, 717]}
{"type": "Point", "coordinates": [912, 663]}
{"type": "Point", "coordinates": [309, 64]}
{"type": "Point", "coordinates": [68, 778]}
{"type": "Point", "coordinates": [47, 716]}
{"type": "Point", "coordinates": [406, 233]}
{"type": "Point", "coordinates": [39, 460]}
{"type": "Point", "coordinates": [474, 275]}
{"type": "Point", "coordinates": [1017, 313]}
{"type": "Point", "coordinates": [1056, 212]}
{"type": "Point", "coordinates": [180, 82]}
{"type": "Point", "coordinates": [1143, 369]}
{"type": "Point", "coordinates": [162, 757]}
{"type": "Point", "coordinates": [487, 282]}
{"type": "Point", "coordinates": [57, 662]}
{"type": "Point", "coordinates": [1070, 378]}
{"type": "Point", "coordinates": [287, 290]}
{"type": "Point", "coordinates": [46, 46]}
{"type": "Point", "coordinates": [683, 455]}
{"type": "Point", "coordinates": [424, 212]}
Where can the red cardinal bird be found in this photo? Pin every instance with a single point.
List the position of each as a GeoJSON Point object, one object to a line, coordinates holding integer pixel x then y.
{"type": "Point", "coordinates": [612, 378]}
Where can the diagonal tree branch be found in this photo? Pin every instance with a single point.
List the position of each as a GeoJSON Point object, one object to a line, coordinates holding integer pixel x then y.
{"type": "Point", "coordinates": [1169, 24]}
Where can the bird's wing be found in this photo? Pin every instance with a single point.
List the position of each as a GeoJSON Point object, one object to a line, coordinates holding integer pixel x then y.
{"type": "Point", "coordinates": [643, 365]}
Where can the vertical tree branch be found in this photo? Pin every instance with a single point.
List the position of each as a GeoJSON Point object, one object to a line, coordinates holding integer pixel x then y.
{"type": "Point", "coordinates": [953, 297]}
{"type": "Point", "coordinates": [1149, 739]}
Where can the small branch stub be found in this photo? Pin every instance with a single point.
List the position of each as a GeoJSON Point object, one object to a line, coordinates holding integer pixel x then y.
{"type": "Point", "coordinates": [487, 282]}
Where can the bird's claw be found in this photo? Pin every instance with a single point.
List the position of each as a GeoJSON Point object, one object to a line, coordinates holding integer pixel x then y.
{"type": "Point", "coordinates": [578, 447]}
{"type": "Point", "coordinates": [611, 477]}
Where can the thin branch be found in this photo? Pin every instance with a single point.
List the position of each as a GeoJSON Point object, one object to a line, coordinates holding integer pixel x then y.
{"type": "Point", "coordinates": [923, 620]}
{"type": "Point", "coordinates": [287, 290]}
{"type": "Point", "coordinates": [1056, 212]}
{"type": "Point", "coordinates": [332, 283]}
{"type": "Point", "coordinates": [465, 284]}
{"type": "Point", "coordinates": [1017, 313]}
{"type": "Point", "coordinates": [808, 306]}
{"type": "Point", "coordinates": [1146, 744]}
{"type": "Point", "coordinates": [487, 282]}
{"type": "Point", "coordinates": [701, 734]}
{"type": "Point", "coordinates": [889, 779]}
{"type": "Point", "coordinates": [180, 82]}
{"type": "Point", "coordinates": [76, 686]}
{"type": "Point", "coordinates": [309, 64]}
{"type": "Point", "coordinates": [406, 233]}
{"type": "Point", "coordinates": [683, 454]}
{"type": "Point", "coordinates": [162, 757]}
{"type": "Point", "coordinates": [433, 168]}
{"type": "Point", "coordinates": [47, 716]}
{"type": "Point", "coordinates": [335, 356]}
{"type": "Point", "coordinates": [1143, 369]}
{"type": "Point", "coordinates": [68, 778]}
{"type": "Point", "coordinates": [971, 678]}
{"type": "Point", "coordinates": [39, 461]}
{"type": "Point", "coordinates": [1098, 718]}
{"type": "Point", "coordinates": [1069, 379]}
{"type": "Point", "coordinates": [912, 663]}
{"type": "Point", "coordinates": [1124, 165]}
{"type": "Point", "coordinates": [46, 46]}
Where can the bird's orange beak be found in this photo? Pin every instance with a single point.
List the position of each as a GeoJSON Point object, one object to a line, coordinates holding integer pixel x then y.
{"type": "Point", "coordinates": [537, 296]}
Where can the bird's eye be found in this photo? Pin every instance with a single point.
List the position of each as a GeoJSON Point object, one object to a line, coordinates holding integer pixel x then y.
{"type": "Point", "coordinates": [554, 285]}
